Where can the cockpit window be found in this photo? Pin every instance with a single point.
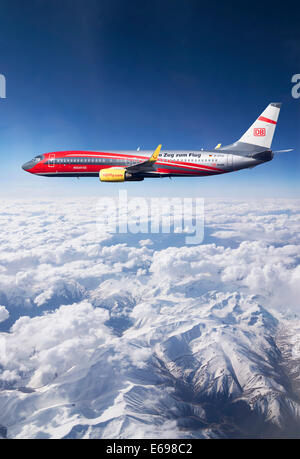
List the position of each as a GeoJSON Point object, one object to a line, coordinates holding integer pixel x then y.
{"type": "Point", "coordinates": [38, 158]}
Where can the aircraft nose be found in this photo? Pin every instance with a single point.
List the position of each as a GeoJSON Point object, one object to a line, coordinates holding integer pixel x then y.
{"type": "Point", "coordinates": [27, 166]}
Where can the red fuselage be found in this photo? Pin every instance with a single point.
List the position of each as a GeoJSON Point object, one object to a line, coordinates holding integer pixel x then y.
{"type": "Point", "coordinates": [90, 163]}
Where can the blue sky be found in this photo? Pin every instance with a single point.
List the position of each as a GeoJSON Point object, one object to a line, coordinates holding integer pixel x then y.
{"type": "Point", "coordinates": [114, 74]}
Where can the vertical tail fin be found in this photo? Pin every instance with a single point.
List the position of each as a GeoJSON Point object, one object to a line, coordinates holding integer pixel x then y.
{"type": "Point", "coordinates": [262, 130]}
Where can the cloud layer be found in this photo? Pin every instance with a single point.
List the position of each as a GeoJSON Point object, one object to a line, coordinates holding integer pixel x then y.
{"type": "Point", "coordinates": [107, 335]}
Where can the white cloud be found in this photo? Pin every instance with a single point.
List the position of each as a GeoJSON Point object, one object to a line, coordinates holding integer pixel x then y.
{"type": "Point", "coordinates": [4, 314]}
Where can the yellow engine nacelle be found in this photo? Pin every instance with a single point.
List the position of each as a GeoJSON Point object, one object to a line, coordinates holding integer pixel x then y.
{"type": "Point", "coordinates": [118, 174]}
{"type": "Point", "coordinates": [112, 174]}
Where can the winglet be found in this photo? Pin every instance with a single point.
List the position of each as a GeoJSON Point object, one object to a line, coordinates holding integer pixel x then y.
{"type": "Point", "coordinates": [218, 146]}
{"type": "Point", "coordinates": [155, 155]}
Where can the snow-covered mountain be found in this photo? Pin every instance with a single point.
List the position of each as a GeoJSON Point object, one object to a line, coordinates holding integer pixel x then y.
{"type": "Point", "coordinates": [133, 340]}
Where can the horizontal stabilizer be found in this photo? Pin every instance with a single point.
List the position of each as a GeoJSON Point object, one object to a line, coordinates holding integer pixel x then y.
{"type": "Point", "coordinates": [283, 151]}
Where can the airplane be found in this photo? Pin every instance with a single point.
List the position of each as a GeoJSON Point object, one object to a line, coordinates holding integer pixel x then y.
{"type": "Point", "coordinates": [252, 149]}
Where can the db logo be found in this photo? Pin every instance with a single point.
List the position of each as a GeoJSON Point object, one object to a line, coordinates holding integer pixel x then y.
{"type": "Point", "coordinates": [259, 132]}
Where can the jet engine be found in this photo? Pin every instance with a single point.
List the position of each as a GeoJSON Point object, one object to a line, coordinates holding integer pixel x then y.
{"type": "Point", "coordinates": [117, 174]}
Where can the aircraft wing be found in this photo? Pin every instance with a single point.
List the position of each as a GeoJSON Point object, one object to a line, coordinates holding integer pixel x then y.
{"type": "Point", "coordinates": [145, 165]}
